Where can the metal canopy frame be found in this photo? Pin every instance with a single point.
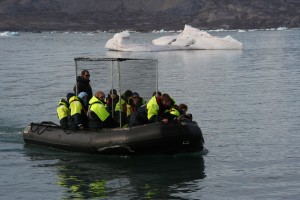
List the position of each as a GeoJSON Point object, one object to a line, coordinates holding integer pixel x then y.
{"type": "Point", "coordinates": [112, 60]}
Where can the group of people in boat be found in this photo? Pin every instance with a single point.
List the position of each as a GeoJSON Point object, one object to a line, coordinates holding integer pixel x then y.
{"type": "Point", "coordinates": [96, 111]}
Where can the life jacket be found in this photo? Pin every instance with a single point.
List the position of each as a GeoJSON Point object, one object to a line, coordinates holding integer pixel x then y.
{"type": "Point", "coordinates": [174, 112]}
{"type": "Point", "coordinates": [75, 105]}
{"type": "Point", "coordinates": [129, 110]}
{"type": "Point", "coordinates": [98, 107]}
{"type": "Point", "coordinates": [152, 107]}
{"type": "Point", "coordinates": [62, 109]}
{"type": "Point", "coordinates": [123, 106]}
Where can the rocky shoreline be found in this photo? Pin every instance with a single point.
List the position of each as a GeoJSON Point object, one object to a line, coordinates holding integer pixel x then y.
{"type": "Point", "coordinates": [146, 15]}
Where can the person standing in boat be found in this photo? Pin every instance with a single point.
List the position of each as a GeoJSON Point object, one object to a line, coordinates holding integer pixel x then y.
{"type": "Point", "coordinates": [98, 115]}
{"type": "Point", "coordinates": [161, 108]}
{"type": "Point", "coordinates": [63, 113]}
{"type": "Point", "coordinates": [77, 118]}
{"type": "Point", "coordinates": [83, 84]}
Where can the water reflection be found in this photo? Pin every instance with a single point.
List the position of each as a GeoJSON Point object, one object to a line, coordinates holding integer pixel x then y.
{"type": "Point", "coordinates": [85, 176]}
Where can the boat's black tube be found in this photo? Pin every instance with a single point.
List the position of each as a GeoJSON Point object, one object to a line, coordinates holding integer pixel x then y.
{"type": "Point", "coordinates": [156, 138]}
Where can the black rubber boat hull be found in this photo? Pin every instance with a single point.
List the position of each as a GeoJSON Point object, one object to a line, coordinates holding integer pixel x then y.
{"type": "Point", "coordinates": [149, 139]}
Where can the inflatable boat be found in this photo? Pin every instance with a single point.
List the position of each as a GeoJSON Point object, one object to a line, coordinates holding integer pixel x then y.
{"type": "Point", "coordinates": [174, 137]}
{"type": "Point", "coordinates": [148, 139]}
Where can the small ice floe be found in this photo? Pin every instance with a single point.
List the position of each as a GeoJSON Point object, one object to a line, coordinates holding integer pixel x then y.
{"type": "Point", "coordinates": [9, 33]}
{"type": "Point", "coordinates": [282, 28]}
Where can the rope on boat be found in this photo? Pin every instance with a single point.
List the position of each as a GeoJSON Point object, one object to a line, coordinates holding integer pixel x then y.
{"type": "Point", "coordinates": [46, 125]}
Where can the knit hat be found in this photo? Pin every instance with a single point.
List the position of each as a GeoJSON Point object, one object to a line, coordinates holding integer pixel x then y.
{"type": "Point", "coordinates": [135, 94]}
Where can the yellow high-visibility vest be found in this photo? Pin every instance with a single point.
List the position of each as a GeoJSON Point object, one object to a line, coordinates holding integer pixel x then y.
{"type": "Point", "coordinates": [75, 105]}
{"type": "Point", "coordinates": [152, 107]}
{"type": "Point", "coordinates": [98, 108]}
{"type": "Point", "coordinates": [62, 110]}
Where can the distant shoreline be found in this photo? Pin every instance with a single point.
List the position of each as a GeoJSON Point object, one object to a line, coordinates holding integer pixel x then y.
{"type": "Point", "coordinates": [146, 15]}
{"type": "Point", "coordinates": [153, 31]}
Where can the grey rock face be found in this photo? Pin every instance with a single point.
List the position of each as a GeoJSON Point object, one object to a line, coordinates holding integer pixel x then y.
{"type": "Point", "coordinates": [146, 15]}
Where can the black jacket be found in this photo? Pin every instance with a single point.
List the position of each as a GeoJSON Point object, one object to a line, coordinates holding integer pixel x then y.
{"type": "Point", "coordinates": [83, 86]}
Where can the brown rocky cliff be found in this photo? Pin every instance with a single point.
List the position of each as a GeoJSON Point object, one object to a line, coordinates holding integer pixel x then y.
{"type": "Point", "coordinates": [146, 15]}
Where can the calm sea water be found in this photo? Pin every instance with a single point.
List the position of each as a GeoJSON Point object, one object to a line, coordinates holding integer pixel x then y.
{"type": "Point", "coordinates": [246, 102]}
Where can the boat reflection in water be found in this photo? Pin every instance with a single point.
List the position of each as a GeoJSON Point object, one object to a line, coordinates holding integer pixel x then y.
{"type": "Point", "coordinates": [85, 176]}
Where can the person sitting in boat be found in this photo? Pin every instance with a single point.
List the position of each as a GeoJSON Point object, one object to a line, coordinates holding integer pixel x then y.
{"type": "Point", "coordinates": [98, 115]}
{"type": "Point", "coordinates": [183, 108]}
{"type": "Point", "coordinates": [77, 118]}
{"type": "Point", "coordinates": [134, 103]}
{"type": "Point", "coordinates": [83, 97]}
{"type": "Point", "coordinates": [161, 108]}
{"type": "Point", "coordinates": [127, 95]}
{"type": "Point", "coordinates": [83, 84]}
{"type": "Point", "coordinates": [139, 116]}
{"type": "Point", "coordinates": [63, 113]}
{"type": "Point", "coordinates": [111, 100]}
{"type": "Point", "coordinates": [113, 105]}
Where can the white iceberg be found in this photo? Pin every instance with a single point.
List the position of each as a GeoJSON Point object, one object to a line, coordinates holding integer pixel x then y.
{"type": "Point", "coordinates": [8, 33]}
{"type": "Point", "coordinates": [189, 39]}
